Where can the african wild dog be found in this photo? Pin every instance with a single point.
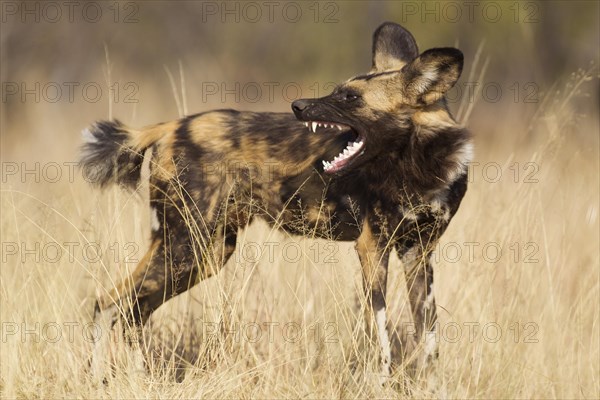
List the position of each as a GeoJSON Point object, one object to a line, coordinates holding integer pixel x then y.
{"type": "Point", "coordinates": [382, 163]}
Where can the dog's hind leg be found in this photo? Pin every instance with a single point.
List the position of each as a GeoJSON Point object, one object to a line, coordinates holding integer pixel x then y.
{"type": "Point", "coordinates": [158, 277]}
{"type": "Point", "coordinates": [165, 271]}
{"type": "Point", "coordinates": [131, 302]}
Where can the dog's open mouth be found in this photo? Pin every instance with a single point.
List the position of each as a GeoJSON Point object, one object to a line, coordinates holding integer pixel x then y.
{"type": "Point", "coordinates": [352, 151]}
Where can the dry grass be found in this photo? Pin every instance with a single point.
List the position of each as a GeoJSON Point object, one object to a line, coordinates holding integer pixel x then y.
{"type": "Point", "coordinates": [521, 324]}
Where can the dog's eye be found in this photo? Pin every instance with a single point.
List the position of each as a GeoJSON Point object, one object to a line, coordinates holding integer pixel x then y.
{"type": "Point", "coordinates": [350, 96]}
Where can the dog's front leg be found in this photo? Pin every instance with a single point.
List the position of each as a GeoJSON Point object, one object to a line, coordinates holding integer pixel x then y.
{"type": "Point", "coordinates": [419, 279]}
{"type": "Point", "coordinates": [374, 258]}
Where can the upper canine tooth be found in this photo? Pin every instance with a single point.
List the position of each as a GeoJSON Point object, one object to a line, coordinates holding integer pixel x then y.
{"type": "Point", "coordinates": [314, 126]}
{"type": "Point", "coordinates": [339, 127]}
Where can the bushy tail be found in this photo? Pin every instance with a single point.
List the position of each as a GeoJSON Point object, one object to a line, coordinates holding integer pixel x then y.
{"type": "Point", "coordinates": [109, 157]}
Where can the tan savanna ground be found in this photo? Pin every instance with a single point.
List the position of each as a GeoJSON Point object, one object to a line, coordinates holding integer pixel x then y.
{"type": "Point", "coordinates": [517, 276]}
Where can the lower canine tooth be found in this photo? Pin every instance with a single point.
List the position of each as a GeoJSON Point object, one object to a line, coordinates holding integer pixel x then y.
{"type": "Point", "coordinates": [314, 126]}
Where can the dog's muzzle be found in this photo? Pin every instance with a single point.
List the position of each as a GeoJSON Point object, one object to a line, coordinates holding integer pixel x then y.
{"type": "Point", "coordinates": [300, 106]}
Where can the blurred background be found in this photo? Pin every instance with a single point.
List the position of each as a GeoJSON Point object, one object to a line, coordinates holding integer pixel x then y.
{"type": "Point", "coordinates": [261, 56]}
{"type": "Point", "coordinates": [529, 92]}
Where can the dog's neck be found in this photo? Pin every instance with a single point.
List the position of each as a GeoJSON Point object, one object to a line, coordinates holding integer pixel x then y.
{"type": "Point", "coordinates": [422, 163]}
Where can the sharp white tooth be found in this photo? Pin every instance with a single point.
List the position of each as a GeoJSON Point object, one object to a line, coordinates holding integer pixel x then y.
{"type": "Point", "coordinates": [339, 127]}
{"type": "Point", "coordinates": [320, 124]}
{"type": "Point", "coordinates": [314, 126]}
{"type": "Point", "coordinates": [346, 152]}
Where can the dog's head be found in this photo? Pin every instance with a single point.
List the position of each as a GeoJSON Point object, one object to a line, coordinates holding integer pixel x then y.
{"type": "Point", "coordinates": [381, 106]}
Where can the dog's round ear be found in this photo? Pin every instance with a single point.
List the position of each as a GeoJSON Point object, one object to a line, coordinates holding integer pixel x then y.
{"type": "Point", "coordinates": [393, 47]}
{"type": "Point", "coordinates": [428, 78]}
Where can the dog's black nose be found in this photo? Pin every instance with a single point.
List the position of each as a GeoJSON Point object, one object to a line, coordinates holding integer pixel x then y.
{"type": "Point", "coordinates": [299, 106]}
